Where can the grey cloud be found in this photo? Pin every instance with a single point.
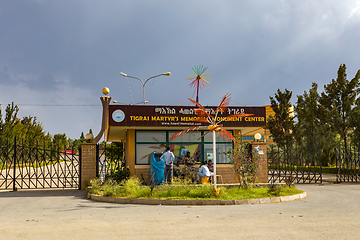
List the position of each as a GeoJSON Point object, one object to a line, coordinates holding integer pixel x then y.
{"type": "Point", "coordinates": [252, 48]}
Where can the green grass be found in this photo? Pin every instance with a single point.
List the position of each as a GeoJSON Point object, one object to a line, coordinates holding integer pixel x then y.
{"type": "Point", "coordinates": [132, 188]}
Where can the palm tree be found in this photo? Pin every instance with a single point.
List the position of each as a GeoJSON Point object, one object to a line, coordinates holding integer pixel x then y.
{"type": "Point", "coordinates": [214, 126]}
{"type": "Point", "coordinates": [199, 78]}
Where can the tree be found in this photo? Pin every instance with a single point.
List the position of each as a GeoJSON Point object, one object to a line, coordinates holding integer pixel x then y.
{"type": "Point", "coordinates": [307, 114]}
{"type": "Point", "coordinates": [77, 142]}
{"type": "Point", "coordinates": [355, 121]}
{"type": "Point", "coordinates": [281, 125]}
{"type": "Point", "coordinates": [10, 125]}
{"type": "Point", "coordinates": [338, 103]}
{"type": "Point", "coordinates": [31, 130]}
{"type": "Point", "coordinates": [27, 130]}
{"type": "Point", "coordinates": [60, 141]}
{"type": "Point", "coordinates": [311, 126]}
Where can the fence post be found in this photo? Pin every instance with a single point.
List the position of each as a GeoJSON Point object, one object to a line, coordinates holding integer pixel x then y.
{"type": "Point", "coordinates": [262, 171]}
{"type": "Point", "coordinates": [14, 169]}
{"type": "Point", "coordinates": [88, 164]}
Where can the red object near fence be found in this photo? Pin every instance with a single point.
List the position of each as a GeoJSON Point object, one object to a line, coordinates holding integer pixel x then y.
{"type": "Point", "coordinates": [68, 151]}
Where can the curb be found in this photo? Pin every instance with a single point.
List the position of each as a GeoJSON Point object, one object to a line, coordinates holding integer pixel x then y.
{"type": "Point", "coordinates": [146, 201]}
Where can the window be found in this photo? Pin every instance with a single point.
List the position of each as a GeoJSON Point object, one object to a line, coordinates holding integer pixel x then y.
{"type": "Point", "coordinates": [221, 150]}
{"type": "Point", "coordinates": [187, 137]}
{"type": "Point", "coordinates": [209, 138]}
{"type": "Point", "coordinates": [143, 152]}
{"type": "Point", "coordinates": [148, 142]}
{"type": "Point", "coordinates": [150, 136]}
{"type": "Point", "coordinates": [201, 149]}
{"type": "Point", "coordinates": [180, 150]}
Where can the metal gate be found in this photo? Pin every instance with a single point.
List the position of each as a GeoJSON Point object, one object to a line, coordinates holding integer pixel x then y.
{"type": "Point", "coordinates": [347, 163]}
{"type": "Point", "coordinates": [34, 166]}
{"type": "Point", "coordinates": [295, 164]}
{"type": "Point", "coordinates": [110, 158]}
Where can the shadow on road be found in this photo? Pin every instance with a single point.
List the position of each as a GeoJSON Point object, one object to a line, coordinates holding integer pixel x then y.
{"type": "Point", "coordinates": [43, 193]}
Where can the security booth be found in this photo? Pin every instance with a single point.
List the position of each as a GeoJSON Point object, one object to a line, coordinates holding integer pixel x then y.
{"type": "Point", "coordinates": [147, 129]}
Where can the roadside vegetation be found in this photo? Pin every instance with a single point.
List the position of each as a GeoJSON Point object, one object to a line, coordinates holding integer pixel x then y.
{"type": "Point", "coordinates": [182, 189]}
{"type": "Point", "coordinates": [119, 184]}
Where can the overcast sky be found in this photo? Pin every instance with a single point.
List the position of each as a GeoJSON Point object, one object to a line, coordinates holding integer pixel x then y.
{"type": "Point", "coordinates": [63, 53]}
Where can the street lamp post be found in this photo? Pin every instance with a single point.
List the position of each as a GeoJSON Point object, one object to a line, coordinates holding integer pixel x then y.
{"type": "Point", "coordinates": [114, 101]}
{"type": "Point", "coordinates": [144, 83]}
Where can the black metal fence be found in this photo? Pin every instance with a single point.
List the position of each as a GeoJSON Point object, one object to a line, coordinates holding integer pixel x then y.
{"type": "Point", "coordinates": [347, 163]}
{"type": "Point", "coordinates": [110, 159]}
{"type": "Point", "coordinates": [295, 164]}
{"type": "Point", "coordinates": [33, 166]}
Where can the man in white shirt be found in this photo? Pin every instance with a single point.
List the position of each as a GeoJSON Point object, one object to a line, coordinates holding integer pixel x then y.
{"type": "Point", "coordinates": [203, 171]}
{"type": "Point", "coordinates": [168, 157]}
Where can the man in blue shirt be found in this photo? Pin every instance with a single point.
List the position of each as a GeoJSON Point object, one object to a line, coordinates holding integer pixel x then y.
{"type": "Point", "coordinates": [168, 157]}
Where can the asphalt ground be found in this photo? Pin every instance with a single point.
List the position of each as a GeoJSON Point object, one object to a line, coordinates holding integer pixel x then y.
{"type": "Point", "coordinates": [331, 211]}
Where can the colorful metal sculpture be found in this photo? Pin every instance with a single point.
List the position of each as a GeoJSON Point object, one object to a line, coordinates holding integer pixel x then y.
{"type": "Point", "coordinates": [204, 116]}
{"type": "Point", "coordinates": [199, 78]}
{"type": "Point", "coordinates": [214, 126]}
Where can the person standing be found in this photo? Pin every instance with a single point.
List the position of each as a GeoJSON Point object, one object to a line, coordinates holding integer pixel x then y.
{"type": "Point", "coordinates": [168, 157]}
{"type": "Point", "coordinates": [211, 169]}
{"type": "Point", "coordinates": [189, 163]}
{"type": "Point", "coordinates": [178, 172]}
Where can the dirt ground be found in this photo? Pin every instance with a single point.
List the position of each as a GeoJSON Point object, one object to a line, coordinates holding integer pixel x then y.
{"type": "Point", "coordinates": [331, 211]}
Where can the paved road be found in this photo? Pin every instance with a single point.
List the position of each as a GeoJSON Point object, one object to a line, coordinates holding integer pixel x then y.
{"type": "Point", "coordinates": [331, 211]}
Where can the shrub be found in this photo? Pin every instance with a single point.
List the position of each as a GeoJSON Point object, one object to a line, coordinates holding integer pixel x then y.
{"type": "Point", "coordinates": [119, 174]}
{"type": "Point", "coordinates": [244, 162]}
{"type": "Point", "coordinates": [132, 188]}
{"type": "Point", "coordinates": [95, 186]}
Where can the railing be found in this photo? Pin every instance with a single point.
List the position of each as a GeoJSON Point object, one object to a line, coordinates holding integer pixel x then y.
{"type": "Point", "coordinates": [32, 166]}
{"type": "Point", "coordinates": [110, 158]}
{"type": "Point", "coordinates": [296, 163]}
{"type": "Point", "coordinates": [347, 163]}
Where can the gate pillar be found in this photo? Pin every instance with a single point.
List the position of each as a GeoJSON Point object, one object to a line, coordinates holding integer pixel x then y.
{"type": "Point", "coordinates": [262, 171]}
{"type": "Point", "coordinates": [88, 164]}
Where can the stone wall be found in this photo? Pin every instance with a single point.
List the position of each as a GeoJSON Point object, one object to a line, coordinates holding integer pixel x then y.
{"type": "Point", "coordinates": [225, 170]}
{"type": "Point", "coordinates": [262, 171]}
{"type": "Point", "coordinates": [88, 163]}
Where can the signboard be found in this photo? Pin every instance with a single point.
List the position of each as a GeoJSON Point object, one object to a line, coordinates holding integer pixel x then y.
{"type": "Point", "coordinates": [183, 116]}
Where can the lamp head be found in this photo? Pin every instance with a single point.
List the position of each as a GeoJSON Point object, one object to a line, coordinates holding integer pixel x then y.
{"type": "Point", "coordinates": [257, 136]}
{"type": "Point", "coordinates": [89, 136]}
{"type": "Point", "coordinates": [123, 74]}
{"type": "Point", "coordinates": [166, 74]}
